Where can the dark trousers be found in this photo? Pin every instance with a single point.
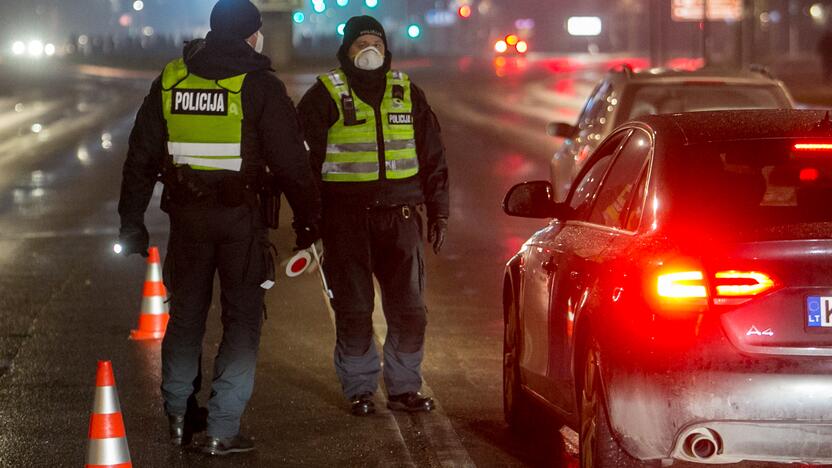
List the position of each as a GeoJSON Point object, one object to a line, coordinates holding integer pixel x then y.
{"type": "Point", "coordinates": [385, 243]}
{"type": "Point", "coordinates": [204, 240]}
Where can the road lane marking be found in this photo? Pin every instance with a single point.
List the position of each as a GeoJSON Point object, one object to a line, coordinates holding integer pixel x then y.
{"type": "Point", "coordinates": [436, 426]}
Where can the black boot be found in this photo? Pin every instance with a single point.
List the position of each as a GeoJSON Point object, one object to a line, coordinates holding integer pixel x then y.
{"type": "Point", "coordinates": [412, 402]}
{"type": "Point", "coordinates": [183, 428]}
{"type": "Point", "coordinates": [362, 404]}
{"type": "Point", "coordinates": [176, 425]}
{"type": "Point", "coordinates": [216, 446]}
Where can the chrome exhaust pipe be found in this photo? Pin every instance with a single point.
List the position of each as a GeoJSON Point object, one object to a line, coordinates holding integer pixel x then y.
{"type": "Point", "coordinates": [702, 444]}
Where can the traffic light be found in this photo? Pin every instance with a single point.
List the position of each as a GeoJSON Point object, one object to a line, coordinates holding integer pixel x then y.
{"type": "Point", "coordinates": [465, 11]}
{"type": "Point", "coordinates": [298, 17]}
{"type": "Point", "coordinates": [414, 31]}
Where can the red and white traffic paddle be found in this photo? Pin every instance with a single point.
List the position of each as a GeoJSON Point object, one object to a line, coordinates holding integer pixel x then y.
{"type": "Point", "coordinates": [302, 261]}
{"type": "Point", "coordinates": [298, 264]}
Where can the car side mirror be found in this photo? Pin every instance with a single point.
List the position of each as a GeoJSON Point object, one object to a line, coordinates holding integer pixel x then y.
{"type": "Point", "coordinates": [560, 129]}
{"type": "Point", "coordinates": [533, 200]}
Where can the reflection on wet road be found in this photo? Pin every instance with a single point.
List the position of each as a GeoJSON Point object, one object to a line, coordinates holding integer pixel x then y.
{"type": "Point", "coordinates": [66, 301]}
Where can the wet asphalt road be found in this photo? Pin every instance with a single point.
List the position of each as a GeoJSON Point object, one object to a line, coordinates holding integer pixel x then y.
{"type": "Point", "coordinates": [67, 301]}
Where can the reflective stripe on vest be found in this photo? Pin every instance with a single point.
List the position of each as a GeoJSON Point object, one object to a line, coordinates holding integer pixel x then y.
{"type": "Point", "coordinates": [204, 119]}
{"type": "Point", "coordinates": [352, 153]}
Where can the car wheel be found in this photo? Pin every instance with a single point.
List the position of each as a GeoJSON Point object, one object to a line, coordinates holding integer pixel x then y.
{"type": "Point", "coordinates": [516, 404]}
{"type": "Point", "coordinates": [598, 447]}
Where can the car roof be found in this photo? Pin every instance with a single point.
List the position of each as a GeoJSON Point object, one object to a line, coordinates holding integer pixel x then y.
{"type": "Point", "coordinates": [708, 74]}
{"type": "Point", "coordinates": [735, 125]}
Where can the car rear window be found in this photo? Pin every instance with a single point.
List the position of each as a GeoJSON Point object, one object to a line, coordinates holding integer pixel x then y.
{"type": "Point", "coordinates": [694, 97]}
{"type": "Point", "coordinates": [760, 184]}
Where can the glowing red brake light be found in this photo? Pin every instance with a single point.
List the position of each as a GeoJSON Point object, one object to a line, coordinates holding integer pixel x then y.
{"type": "Point", "coordinates": [742, 283]}
{"type": "Point", "coordinates": [690, 290]}
{"type": "Point", "coordinates": [682, 285]}
{"type": "Point", "coordinates": [812, 147]}
{"type": "Point", "coordinates": [809, 174]}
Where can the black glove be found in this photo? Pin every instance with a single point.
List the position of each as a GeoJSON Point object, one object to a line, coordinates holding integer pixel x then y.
{"type": "Point", "coordinates": [306, 236]}
{"type": "Point", "coordinates": [134, 239]}
{"type": "Point", "coordinates": [437, 229]}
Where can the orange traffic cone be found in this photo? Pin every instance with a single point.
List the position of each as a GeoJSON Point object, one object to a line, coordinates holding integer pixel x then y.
{"type": "Point", "coordinates": [154, 314]}
{"type": "Point", "coordinates": [107, 439]}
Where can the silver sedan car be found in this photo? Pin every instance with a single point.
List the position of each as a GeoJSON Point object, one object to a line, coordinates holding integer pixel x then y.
{"type": "Point", "coordinates": [678, 305]}
{"type": "Point", "coordinates": [625, 95]}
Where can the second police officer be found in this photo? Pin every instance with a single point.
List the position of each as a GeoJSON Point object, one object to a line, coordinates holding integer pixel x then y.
{"type": "Point", "coordinates": [212, 123]}
{"type": "Point", "coordinates": [376, 146]}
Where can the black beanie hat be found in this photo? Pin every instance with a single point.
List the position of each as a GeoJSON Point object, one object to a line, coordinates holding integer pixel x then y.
{"type": "Point", "coordinates": [358, 26]}
{"type": "Point", "coordinates": [238, 19]}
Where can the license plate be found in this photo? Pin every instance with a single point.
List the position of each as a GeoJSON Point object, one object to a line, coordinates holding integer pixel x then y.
{"type": "Point", "coordinates": [819, 312]}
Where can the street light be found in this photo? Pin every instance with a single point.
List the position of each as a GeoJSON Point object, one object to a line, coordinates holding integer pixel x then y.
{"type": "Point", "coordinates": [18, 48]}
{"type": "Point", "coordinates": [138, 5]}
{"type": "Point", "coordinates": [340, 28]}
{"type": "Point", "coordinates": [342, 3]}
{"type": "Point", "coordinates": [298, 17]}
{"type": "Point", "coordinates": [371, 3]}
{"type": "Point", "coordinates": [816, 11]}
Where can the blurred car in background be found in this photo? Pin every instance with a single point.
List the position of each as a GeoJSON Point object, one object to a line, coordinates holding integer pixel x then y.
{"type": "Point", "coordinates": [678, 305]}
{"type": "Point", "coordinates": [511, 45]}
{"type": "Point", "coordinates": [625, 95]}
{"type": "Point", "coordinates": [31, 49]}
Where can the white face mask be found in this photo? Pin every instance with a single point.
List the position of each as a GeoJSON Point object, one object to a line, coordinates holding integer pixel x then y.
{"type": "Point", "coordinates": [369, 59]}
{"type": "Point", "coordinates": [258, 45]}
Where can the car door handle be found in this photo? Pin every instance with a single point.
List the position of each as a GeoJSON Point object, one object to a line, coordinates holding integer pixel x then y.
{"type": "Point", "coordinates": [549, 266]}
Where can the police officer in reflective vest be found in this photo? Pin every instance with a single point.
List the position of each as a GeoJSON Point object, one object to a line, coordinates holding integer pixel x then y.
{"type": "Point", "coordinates": [212, 125]}
{"type": "Point", "coordinates": [376, 144]}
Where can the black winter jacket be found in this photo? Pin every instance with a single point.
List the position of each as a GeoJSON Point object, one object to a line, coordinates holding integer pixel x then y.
{"type": "Point", "coordinates": [271, 132]}
{"type": "Point", "coordinates": [318, 112]}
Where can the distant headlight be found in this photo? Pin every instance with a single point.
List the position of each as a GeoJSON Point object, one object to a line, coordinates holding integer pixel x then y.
{"type": "Point", "coordinates": [49, 50]}
{"type": "Point", "coordinates": [18, 48]}
{"type": "Point", "coordinates": [35, 48]}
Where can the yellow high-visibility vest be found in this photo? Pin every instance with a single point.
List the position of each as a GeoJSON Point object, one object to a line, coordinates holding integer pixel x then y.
{"type": "Point", "coordinates": [352, 153]}
{"type": "Point", "coordinates": [204, 119]}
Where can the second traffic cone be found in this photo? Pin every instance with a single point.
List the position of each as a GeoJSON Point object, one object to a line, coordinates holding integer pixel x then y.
{"type": "Point", "coordinates": [154, 314]}
{"type": "Point", "coordinates": [107, 445]}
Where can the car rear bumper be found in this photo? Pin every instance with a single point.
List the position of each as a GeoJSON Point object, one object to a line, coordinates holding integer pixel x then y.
{"type": "Point", "coordinates": [781, 417]}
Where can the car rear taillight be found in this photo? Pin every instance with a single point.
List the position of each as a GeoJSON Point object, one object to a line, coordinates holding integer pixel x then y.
{"type": "Point", "coordinates": [812, 147]}
{"type": "Point", "coordinates": [809, 174]}
{"type": "Point", "coordinates": [691, 289]}
{"type": "Point", "coordinates": [741, 283]}
{"type": "Point", "coordinates": [682, 285]}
